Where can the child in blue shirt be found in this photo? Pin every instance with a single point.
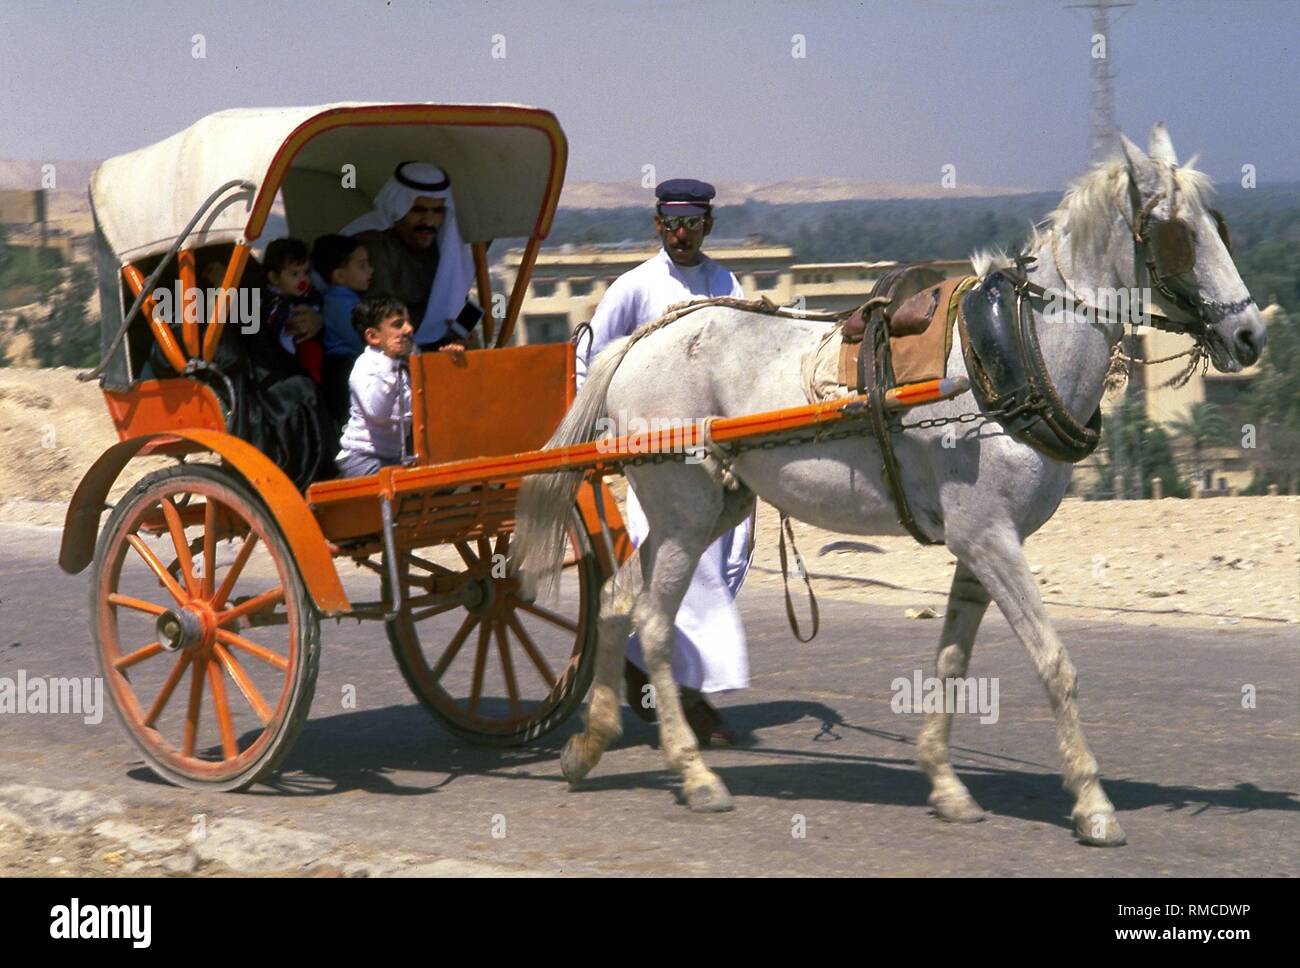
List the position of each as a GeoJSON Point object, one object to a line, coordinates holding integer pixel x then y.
{"type": "Point", "coordinates": [344, 265]}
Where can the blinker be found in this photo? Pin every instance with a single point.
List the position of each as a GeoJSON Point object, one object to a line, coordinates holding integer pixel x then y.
{"type": "Point", "coordinates": [1173, 247]}
{"type": "Point", "coordinates": [1171, 244]}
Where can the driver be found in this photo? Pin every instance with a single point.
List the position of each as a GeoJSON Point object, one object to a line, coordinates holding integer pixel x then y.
{"type": "Point", "coordinates": [709, 653]}
{"type": "Point", "coordinates": [417, 253]}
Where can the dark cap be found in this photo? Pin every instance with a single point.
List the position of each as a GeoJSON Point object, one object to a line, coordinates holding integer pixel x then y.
{"type": "Point", "coordinates": [684, 196]}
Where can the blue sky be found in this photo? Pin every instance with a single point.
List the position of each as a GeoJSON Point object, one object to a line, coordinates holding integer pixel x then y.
{"type": "Point", "coordinates": [887, 90]}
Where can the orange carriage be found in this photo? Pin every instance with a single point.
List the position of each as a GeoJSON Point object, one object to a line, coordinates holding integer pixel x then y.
{"type": "Point", "coordinates": [210, 577]}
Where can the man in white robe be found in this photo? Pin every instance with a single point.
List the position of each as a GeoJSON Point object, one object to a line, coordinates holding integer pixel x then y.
{"type": "Point", "coordinates": [709, 654]}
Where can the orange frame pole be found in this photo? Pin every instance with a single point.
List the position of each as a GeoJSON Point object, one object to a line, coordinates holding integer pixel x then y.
{"type": "Point", "coordinates": [171, 349]}
{"type": "Point", "coordinates": [188, 308]}
{"type": "Point", "coordinates": [484, 280]}
{"type": "Point", "coordinates": [221, 309]}
{"type": "Point", "coordinates": [521, 287]}
{"type": "Point", "coordinates": [605, 455]}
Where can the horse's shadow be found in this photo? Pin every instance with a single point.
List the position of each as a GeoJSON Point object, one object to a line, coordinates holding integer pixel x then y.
{"type": "Point", "coordinates": [364, 750]}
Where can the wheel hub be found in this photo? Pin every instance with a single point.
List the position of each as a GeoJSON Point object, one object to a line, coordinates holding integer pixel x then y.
{"type": "Point", "coordinates": [478, 594]}
{"type": "Point", "coordinates": [182, 628]}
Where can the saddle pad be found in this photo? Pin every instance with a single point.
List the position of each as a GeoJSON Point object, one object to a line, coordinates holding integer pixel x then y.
{"type": "Point", "coordinates": [920, 345]}
{"type": "Point", "coordinates": [919, 352]}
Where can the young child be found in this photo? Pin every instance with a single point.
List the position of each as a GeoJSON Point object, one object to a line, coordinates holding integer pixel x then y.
{"type": "Point", "coordinates": [380, 388]}
{"type": "Point", "coordinates": [293, 307]}
{"type": "Point", "coordinates": [343, 263]}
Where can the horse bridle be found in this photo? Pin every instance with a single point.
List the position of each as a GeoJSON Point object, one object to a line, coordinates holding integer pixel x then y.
{"type": "Point", "coordinates": [1167, 248]}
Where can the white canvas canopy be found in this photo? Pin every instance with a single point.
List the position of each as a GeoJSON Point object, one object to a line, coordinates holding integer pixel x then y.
{"type": "Point", "coordinates": [506, 164]}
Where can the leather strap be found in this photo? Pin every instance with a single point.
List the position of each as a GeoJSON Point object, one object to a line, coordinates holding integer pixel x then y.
{"type": "Point", "coordinates": [1079, 440]}
{"type": "Point", "coordinates": [785, 581]}
{"type": "Point", "coordinates": [873, 380]}
{"type": "Point", "coordinates": [1009, 376]}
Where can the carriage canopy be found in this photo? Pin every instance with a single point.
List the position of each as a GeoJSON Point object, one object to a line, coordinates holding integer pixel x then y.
{"type": "Point", "coordinates": [506, 163]}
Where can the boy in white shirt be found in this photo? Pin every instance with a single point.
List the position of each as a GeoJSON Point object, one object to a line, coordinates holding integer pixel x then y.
{"type": "Point", "coordinates": [379, 387]}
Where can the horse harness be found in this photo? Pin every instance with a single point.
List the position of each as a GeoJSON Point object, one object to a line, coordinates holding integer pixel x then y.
{"type": "Point", "coordinates": [1000, 346]}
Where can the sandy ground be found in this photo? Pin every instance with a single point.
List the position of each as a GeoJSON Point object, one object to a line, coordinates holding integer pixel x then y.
{"type": "Point", "coordinates": [1200, 564]}
{"type": "Point", "coordinates": [1207, 563]}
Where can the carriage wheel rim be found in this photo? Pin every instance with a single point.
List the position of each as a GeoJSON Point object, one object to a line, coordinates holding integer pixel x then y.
{"type": "Point", "coordinates": [481, 633]}
{"type": "Point", "coordinates": [203, 675]}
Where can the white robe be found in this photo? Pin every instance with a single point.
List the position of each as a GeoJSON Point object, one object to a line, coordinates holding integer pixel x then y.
{"type": "Point", "coordinates": [709, 652]}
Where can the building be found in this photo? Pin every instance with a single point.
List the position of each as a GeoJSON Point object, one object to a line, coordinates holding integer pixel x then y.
{"type": "Point", "coordinates": [25, 216]}
{"type": "Point", "coordinates": [569, 281]}
{"type": "Point", "coordinates": [841, 287]}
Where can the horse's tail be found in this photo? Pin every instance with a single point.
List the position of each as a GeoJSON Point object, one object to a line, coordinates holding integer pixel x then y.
{"type": "Point", "coordinates": [545, 500]}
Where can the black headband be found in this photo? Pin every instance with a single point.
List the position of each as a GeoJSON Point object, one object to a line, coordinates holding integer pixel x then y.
{"type": "Point", "coordinates": [412, 183]}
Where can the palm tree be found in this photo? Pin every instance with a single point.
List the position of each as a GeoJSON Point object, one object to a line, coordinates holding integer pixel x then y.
{"type": "Point", "coordinates": [1204, 424]}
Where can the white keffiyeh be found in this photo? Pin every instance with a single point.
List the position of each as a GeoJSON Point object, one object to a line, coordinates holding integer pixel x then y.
{"type": "Point", "coordinates": [455, 275]}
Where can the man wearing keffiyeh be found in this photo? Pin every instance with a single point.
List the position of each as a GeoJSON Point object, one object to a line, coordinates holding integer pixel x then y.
{"type": "Point", "coordinates": [416, 250]}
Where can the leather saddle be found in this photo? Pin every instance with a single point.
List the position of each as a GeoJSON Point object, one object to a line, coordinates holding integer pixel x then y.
{"type": "Point", "coordinates": [1006, 369]}
{"type": "Point", "coordinates": [867, 360]}
{"type": "Point", "coordinates": [907, 300]}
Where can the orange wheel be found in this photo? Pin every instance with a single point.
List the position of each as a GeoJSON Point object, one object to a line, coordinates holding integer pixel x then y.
{"type": "Point", "coordinates": [206, 638]}
{"type": "Point", "coordinates": [493, 667]}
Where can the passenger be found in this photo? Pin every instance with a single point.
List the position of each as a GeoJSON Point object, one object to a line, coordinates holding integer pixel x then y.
{"type": "Point", "coordinates": [380, 388]}
{"type": "Point", "coordinates": [344, 264]}
{"type": "Point", "coordinates": [292, 308]}
{"type": "Point", "coordinates": [415, 247]}
{"type": "Point", "coordinates": [275, 406]}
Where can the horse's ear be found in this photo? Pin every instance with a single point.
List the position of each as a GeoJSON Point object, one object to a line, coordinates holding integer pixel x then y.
{"type": "Point", "coordinates": [1135, 156]}
{"type": "Point", "coordinates": [1139, 165]}
{"type": "Point", "coordinates": [1161, 147]}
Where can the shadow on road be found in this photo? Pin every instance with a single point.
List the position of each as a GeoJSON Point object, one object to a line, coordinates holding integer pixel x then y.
{"type": "Point", "coordinates": [365, 750]}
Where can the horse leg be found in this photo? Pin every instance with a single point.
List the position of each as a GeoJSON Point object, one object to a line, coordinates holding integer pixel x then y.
{"type": "Point", "coordinates": [603, 723]}
{"type": "Point", "coordinates": [998, 559]}
{"type": "Point", "coordinates": [967, 603]}
{"type": "Point", "coordinates": [604, 717]}
{"type": "Point", "coordinates": [670, 567]}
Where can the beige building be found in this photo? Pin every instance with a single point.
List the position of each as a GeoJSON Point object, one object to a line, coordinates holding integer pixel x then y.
{"type": "Point", "coordinates": [844, 286]}
{"type": "Point", "coordinates": [569, 281]}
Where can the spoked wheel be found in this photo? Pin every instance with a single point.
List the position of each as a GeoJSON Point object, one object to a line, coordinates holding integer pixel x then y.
{"type": "Point", "coordinates": [491, 666]}
{"type": "Point", "coordinates": [205, 635]}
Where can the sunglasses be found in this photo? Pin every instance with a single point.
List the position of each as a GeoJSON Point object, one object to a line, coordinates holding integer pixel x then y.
{"type": "Point", "coordinates": [1172, 244]}
{"type": "Point", "coordinates": [673, 222]}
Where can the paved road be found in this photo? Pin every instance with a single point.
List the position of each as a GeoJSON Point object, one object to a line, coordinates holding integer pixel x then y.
{"type": "Point", "coordinates": [1203, 786]}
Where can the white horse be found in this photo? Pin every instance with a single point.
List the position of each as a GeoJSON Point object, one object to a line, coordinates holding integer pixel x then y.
{"type": "Point", "coordinates": [982, 497]}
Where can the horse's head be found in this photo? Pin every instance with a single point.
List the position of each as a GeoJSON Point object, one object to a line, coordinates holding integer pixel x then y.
{"type": "Point", "coordinates": [1186, 249]}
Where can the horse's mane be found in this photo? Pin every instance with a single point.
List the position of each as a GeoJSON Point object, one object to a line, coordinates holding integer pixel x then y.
{"type": "Point", "coordinates": [1088, 207]}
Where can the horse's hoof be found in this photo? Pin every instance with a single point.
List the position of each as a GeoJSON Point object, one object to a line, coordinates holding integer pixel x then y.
{"type": "Point", "coordinates": [710, 797]}
{"type": "Point", "coordinates": [957, 809]}
{"type": "Point", "coordinates": [572, 764]}
{"type": "Point", "coordinates": [1099, 830]}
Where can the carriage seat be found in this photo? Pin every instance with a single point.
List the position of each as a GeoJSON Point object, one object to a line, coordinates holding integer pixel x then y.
{"type": "Point", "coordinates": [919, 317]}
